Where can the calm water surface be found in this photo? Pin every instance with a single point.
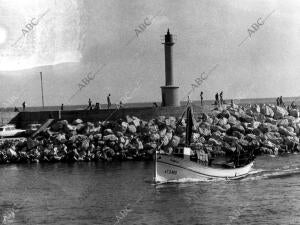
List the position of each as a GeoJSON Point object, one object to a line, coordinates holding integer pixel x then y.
{"type": "Point", "coordinates": [122, 193]}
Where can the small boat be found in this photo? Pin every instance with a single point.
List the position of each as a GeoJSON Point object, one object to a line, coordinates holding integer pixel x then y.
{"type": "Point", "coordinates": [10, 130]}
{"type": "Point", "coordinates": [186, 163]}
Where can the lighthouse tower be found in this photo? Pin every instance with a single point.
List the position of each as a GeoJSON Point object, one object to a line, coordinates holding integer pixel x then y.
{"type": "Point", "coordinates": [170, 92]}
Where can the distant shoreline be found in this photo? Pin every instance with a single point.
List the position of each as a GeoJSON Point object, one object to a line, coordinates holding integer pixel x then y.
{"type": "Point", "coordinates": [209, 102]}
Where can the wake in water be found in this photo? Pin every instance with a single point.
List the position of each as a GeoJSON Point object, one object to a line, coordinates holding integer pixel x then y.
{"type": "Point", "coordinates": [192, 180]}
{"type": "Point", "coordinates": [287, 171]}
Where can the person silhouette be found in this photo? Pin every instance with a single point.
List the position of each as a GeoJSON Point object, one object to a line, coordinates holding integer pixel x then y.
{"type": "Point", "coordinates": [201, 97]}
{"type": "Point", "coordinates": [221, 97]}
{"type": "Point", "coordinates": [217, 99]}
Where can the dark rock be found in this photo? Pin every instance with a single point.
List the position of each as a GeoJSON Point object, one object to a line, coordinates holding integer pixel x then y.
{"type": "Point", "coordinates": [153, 145]}
{"type": "Point", "coordinates": [285, 132]}
{"type": "Point", "coordinates": [250, 137]}
{"type": "Point", "coordinates": [217, 135]}
{"type": "Point", "coordinates": [255, 108]}
{"type": "Point", "coordinates": [229, 139]}
{"type": "Point", "coordinates": [110, 137]}
{"type": "Point", "coordinates": [246, 118]}
{"type": "Point", "coordinates": [268, 127]}
{"type": "Point", "coordinates": [257, 132]}
{"type": "Point", "coordinates": [294, 113]}
{"type": "Point", "coordinates": [215, 142]}
{"type": "Point", "coordinates": [204, 116]}
{"type": "Point", "coordinates": [224, 114]}
{"type": "Point", "coordinates": [215, 128]}
{"type": "Point", "coordinates": [238, 128]}
{"type": "Point", "coordinates": [237, 134]}
{"type": "Point", "coordinates": [271, 120]}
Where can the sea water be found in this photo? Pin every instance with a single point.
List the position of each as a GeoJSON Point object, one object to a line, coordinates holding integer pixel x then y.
{"type": "Point", "coordinates": [123, 193]}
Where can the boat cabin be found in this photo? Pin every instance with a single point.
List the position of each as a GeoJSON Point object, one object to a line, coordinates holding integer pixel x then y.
{"type": "Point", "coordinates": [9, 130]}
{"type": "Point", "coordinates": [8, 127]}
{"type": "Point", "coordinates": [197, 155]}
{"type": "Point", "coordinates": [182, 152]}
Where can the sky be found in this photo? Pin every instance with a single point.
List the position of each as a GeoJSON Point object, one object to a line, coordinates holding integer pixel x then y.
{"type": "Point", "coordinates": [89, 48]}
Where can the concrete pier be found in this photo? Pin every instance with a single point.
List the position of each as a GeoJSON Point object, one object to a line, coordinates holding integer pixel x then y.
{"type": "Point", "coordinates": [22, 119]}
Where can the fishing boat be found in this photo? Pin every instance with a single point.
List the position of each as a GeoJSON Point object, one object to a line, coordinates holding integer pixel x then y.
{"type": "Point", "coordinates": [186, 163]}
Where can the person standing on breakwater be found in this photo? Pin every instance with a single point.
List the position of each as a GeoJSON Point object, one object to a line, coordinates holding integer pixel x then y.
{"type": "Point", "coordinates": [62, 107]}
{"type": "Point", "coordinates": [217, 99]}
{"type": "Point", "coordinates": [24, 105]}
{"type": "Point", "coordinates": [221, 97]}
{"type": "Point", "coordinates": [201, 97]}
{"type": "Point", "coordinates": [281, 101]}
{"type": "Point", "coordinates": [108, 101]}
{"type": "Point", "coordinates": [277, 101]}
{"type": "Point", "coordinates": [90, 104]}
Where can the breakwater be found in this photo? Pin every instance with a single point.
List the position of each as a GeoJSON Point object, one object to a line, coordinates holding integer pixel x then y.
{"type": "Point", "coordinates": [22, 119]}
{"type": "Point", "coordinates": [266, 129]}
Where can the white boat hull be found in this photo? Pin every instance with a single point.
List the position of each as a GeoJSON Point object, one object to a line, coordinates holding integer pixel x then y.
{"type": "Point", "coordinates": [169, 168]}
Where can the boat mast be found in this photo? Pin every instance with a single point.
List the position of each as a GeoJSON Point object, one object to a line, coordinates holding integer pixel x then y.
{"type": "Point", "coordinates": [189, 126]}
{"type": "Point", "coordinates": [155, 167]}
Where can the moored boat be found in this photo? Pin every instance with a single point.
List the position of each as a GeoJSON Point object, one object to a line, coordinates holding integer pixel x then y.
{"type": "Point", "coordinates": [10, 130]}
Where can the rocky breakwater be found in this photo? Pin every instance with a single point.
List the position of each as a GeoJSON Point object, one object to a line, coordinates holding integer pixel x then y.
{"type": "Point", "coordinates": [266, 129]}
{"type": "Point", "coordinates": [130, 139]}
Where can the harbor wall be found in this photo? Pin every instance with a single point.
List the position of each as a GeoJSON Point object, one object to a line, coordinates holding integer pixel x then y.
{"type": "Point", "coordinates": [22, 119]}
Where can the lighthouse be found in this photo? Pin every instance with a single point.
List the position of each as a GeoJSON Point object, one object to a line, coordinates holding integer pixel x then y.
{"type": "Point", "coordinates": [170, 92]}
